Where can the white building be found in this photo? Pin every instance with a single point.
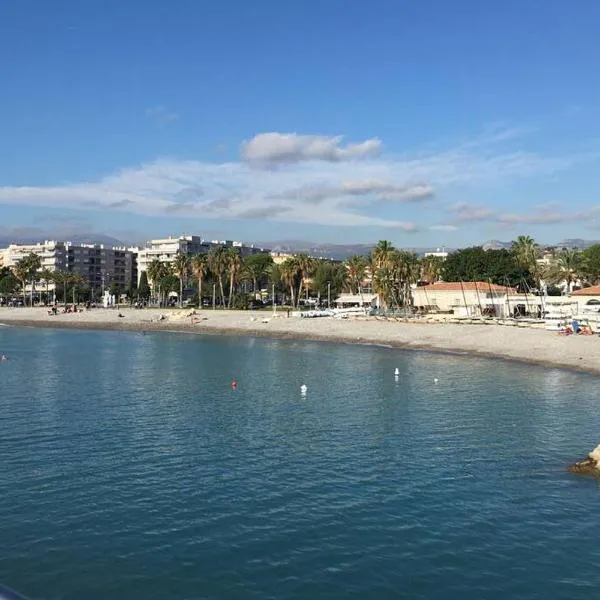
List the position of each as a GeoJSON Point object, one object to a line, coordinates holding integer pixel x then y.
{"type": "Point", "coordinates": [465, 299]}
{"type": "Point", "coordinates": [588, 299]}
{"type": "Point", "coordinates": [166, 249]}
{"type": "Point", "coordinates": [99, 266]}
{"type": "Point", "coordinates": [439, 253]}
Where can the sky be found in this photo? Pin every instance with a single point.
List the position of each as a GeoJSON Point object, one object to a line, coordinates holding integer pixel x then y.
{"type": "Point", "coordinates": [429, 123]}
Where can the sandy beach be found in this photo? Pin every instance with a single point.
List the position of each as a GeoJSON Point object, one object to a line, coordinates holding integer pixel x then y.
{"type": "Point", "coordinates": [513, 343]}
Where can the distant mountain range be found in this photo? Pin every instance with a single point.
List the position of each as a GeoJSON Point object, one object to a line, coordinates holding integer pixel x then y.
{"type": "Point", "coordinates": [92, 238]}
{"type": "Point", "coordinates": [332, 251]}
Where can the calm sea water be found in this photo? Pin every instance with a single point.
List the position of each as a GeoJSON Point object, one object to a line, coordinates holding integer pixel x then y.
{"type": "Point", "coordinates": [130, 470]}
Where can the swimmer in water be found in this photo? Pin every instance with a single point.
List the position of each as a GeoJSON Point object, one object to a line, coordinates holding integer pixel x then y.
{"type": "Point", "coordinates": [234, 384]}
{"type": "Point", "coordinates": [3, 358]}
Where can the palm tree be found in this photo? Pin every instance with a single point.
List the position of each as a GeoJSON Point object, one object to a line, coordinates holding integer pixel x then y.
{"type": "Point", "coordinates": [306, 265]}
{"type": "Point", "coordinates": [565, 268]}
{"type": "Point", "coordinates": [156, 271]}
{"type": "Point", "coordinates": [234, 265]}
{"type": "Point", "coordinates": [525, 251]}
{"type": "Point", "coordinates": [217, 263]}
{"type": "Point", "coordinates": [34, 263]}
{"type": "Point", "coordinates": [47, 276]}
{"type": "Point", "coordinates": [181, 267]}
{"type": "Point", "coordinates": [381, 272]}
{"type": "Point", "coordinates": [290, 272]}
{"type": "Point", "coordinates": [357, 268]}
{"type": "Point", "coordinates": [431, 269]}
{"type": "Point", "coordinates": [199, 266]}
{"type": "Point", "coordinates": [21, 272]}
{"type": "Point", "coordinates": [75, 279]}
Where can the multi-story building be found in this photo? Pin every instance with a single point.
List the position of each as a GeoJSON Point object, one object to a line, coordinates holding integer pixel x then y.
{"type": "Point", "coordinates": [166, 249]}
{"type": "Point", "coordinates": [99, 266]}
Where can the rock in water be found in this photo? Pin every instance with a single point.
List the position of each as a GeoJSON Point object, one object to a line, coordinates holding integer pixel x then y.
{"type": "Point", "coordinates": [588, 466]}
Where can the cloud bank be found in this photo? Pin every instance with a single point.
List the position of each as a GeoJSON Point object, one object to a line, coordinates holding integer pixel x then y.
{"type": "Point", "coordinates": [312, 179]}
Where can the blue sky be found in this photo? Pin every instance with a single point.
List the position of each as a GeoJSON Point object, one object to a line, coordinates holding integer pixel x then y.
{"type": "Point", "coordinates": [425, 123]}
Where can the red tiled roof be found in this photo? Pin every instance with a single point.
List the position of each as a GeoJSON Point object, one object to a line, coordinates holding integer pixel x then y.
{"type": "Point", "coordinates": [588, 291]}
{"type": "Point", "coordinates": [467, 286]}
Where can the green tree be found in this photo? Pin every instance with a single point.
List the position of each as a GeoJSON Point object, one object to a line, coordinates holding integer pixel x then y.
{"type": "Point", "coordinates": [256, 267]}
{"type": "Point", "coordinates": [566, 268]}
{"type": "Point", "coordinates": [431, 268]}
{"type": "Point", "coordinates": [143, 287]}
{"type": "Point", "coordinates": [330, 279]}
{"type": "Point", "coordinates": [181, 268]}
{"type": "Point", "coordinates": [9, 284]}
{"type": "Point", "coordinates": [199, 266]}
{"type": "Point", "coordinates": [306, 265]}
{"type": "Point", "coordinates": [234, 266]}
{"type": "Point", "coordinates": [357, 270]}
{"type": "Point", "coordinates": [218, 265]}
{"type": "Point", "coordinates": [590, 264]}
{"type": "Point", "coordinates": [291, 274]}
{"type": "Point", "coordinates": [21, 273]}
{"type": "Point", "coordinates": [477, 264]}
{"type": "Point", "coordinates": [157, 271]}
{"type": "Point", "coordinates": [47, 276]}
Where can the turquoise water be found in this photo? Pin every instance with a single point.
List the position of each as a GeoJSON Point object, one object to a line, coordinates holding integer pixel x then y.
{"type": "Point", "coordinates": [130, 470]}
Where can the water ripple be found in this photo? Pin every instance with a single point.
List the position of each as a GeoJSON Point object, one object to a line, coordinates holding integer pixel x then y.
{"type": "Point", "coordinates": [131, 470]}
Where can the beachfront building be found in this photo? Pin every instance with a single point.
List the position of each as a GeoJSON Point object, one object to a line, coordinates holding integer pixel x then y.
{"type": "Point", "coordinates": [100, 266]}
{"type": "Point", "coordinates": [438, 253]}
{"type": "Point", "coordinates": [166, 249]}
{"type": "Point", "coordinates": [465, 298]}
{"type": "Point", "coordinates": [588, 299]}
{"type": "Point", "coordinates": [357, 300]}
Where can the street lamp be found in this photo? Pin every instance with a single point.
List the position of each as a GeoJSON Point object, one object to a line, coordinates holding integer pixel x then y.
{"type": "Point", "coordinates": [329, 294]}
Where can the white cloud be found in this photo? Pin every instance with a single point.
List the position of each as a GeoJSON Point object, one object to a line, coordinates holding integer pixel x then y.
{"type": "Point", "coordinates": [443, 227]}
{"type": "Point", "coordinates": [314, 183]}
{"type": "Point", "coordinates": [279, 148]}
{"type": "Point", "coordinates": [161, 114]}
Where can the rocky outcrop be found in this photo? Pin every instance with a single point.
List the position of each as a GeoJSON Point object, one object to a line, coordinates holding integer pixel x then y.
{"type": "Point", "coordinates": [588, 466]}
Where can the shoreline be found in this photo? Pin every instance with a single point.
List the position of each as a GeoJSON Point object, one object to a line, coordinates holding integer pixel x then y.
{"type": "Point", "coordinates": [530, 346]}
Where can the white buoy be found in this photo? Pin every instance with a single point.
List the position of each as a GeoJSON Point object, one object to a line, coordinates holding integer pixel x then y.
{"type": "Point", "coordinates": [435, 380]}
{"type": "Point", "coordinates": [397, 372]}
{"type": "Point", "coordinates": [303, 389]}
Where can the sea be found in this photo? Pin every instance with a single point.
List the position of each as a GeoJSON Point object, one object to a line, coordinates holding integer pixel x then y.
{"type": "Point", "coordinates": [131, 469]}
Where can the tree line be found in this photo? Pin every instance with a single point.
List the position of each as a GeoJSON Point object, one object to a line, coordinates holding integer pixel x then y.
{"type": "Point", "coordinates": [389, 272]}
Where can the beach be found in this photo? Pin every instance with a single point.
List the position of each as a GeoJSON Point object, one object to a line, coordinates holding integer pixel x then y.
{"type": "Point", "coordinates": [512, 343]}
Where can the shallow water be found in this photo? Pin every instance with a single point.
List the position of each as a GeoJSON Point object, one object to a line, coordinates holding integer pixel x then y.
{"type": "Point", "coordinates": [130, 470]}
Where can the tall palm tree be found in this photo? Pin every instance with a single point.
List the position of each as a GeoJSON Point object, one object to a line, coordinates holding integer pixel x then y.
{"type": "Point", "coordinates": [306, 265]}
{"type": "Point", "coordinates": [381, 271]}
{"type": "Point", "coordinates": [156, 271]}
{"type": "Point", "coordinates": [199, 265]}
{"type": "Point", "coordinates": [217, 263]}
{"type": "Point", "coordinates": [75, 279]}
{"type": "Point", "coordinates": [181, 268]}
{"type": "Point", "coordinates": [525, 251]}
{"type": "Point", "coordinates": [431, 269]}
{"type": "Point", "coordinates": [34, 263]}
{"type": "Point", "coordinates": [289, 271]}
{"type": "Point", "coordinates": [21, 272]}
{"type": "Point", "coordinates": [47, 276]}
{"type": "Point", "coordinates": [357, 268]}
{"type": "Point", "coordinates": [234, 266]}
{"type": "Point", "coordinates": [566, 268]}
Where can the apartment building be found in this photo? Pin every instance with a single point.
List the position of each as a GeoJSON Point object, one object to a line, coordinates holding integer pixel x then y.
{"type": "Point", "coordinates": [166, 249]}
{"type": "Point", "coordinates": [100, 266]}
